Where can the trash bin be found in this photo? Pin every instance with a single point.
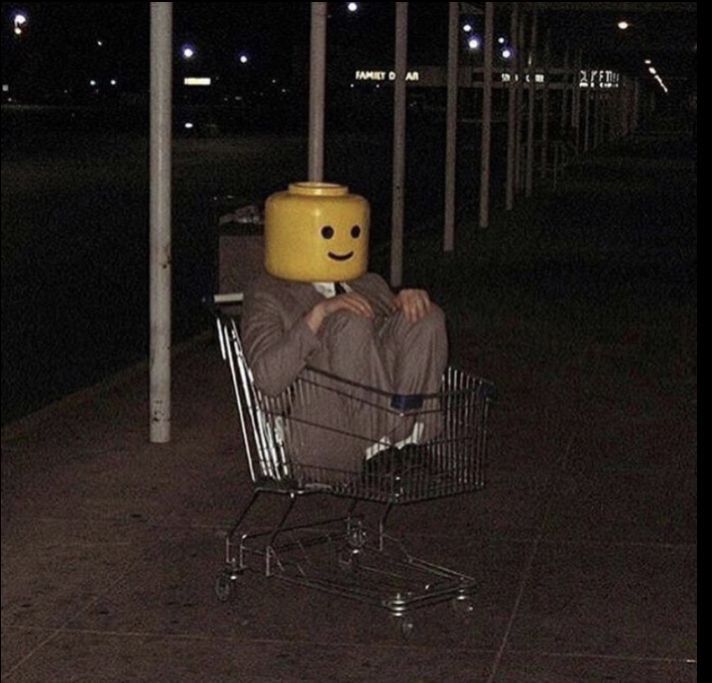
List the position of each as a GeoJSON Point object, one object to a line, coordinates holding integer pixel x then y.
{"type": "Point", "coordinates": [240, 243]}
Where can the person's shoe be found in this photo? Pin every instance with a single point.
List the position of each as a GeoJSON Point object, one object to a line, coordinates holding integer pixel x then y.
{"type": "Point", "coordinates": [381, 445]}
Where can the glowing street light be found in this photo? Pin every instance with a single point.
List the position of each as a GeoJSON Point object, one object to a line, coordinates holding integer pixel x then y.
{"type": "Point", "coordinates": [623, 25]}
{"type": "Point", "coordinates": [506, 53]}
{"type": "Point", "coordinates": [188, 51]}
{"type": "Point", "coordinates": [648, 61]}
{"type": "Point", "coordinates": [243, 58]}
{"type": "Point", "coordinates": [474, 43]}
{"type": "Point", "coordinates": [467, 28]}
{"type": "Point", "coordinates": [653, 70]}
{"type": "Point", "coordinates": [352, 7]}
{"type": "Point", "coordinates": [19, 21]}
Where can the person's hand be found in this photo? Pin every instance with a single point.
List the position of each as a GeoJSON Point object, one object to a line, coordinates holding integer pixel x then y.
{"type": "Point", "coordinates": [415, 304]}
{"type": "Point", "coordinates": [350, 302]}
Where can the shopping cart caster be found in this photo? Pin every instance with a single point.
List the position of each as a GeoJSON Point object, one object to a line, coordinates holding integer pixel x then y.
{"type": "Point", "coordinates": [405, 625]}
{"type": "Point", "coordinates": [348, 559]}
{"type": "Point", "coordinates": [462, 604]}
{"type": "Point", "coordinates": [397, 606]}
{"type": "Point", "coordinates": [224, 586]}
{"type": "Point", "coordinates": [355, 534]}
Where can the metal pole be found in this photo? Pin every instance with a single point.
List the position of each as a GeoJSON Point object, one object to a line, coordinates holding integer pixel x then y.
{"type": "Point", "coordinates": [600, 117]}
{"type": "Point", "coordinates": [529, 180]}
{"type": "Point", "coordinates": [576, 101]}
{"type": "Point", "coordinates": [451, 125]}
{"type": "Point", "coordinates": [545, 108]}
{"type": "Point", "coordinates": [512, 111]}
{"type": "Point", "coordinates": [587, 116]}
{"type": "Point", "coordinates": [485, 166]}
{"type": "Point", "coordinates": [566, 83]}
{"type": "Point", "coordinates": [317, 81]}
{"type": "Point", "coordinates": [557, 154]}
{"type": "Point", "coordinates": [518, 146]}
{"type": "Point", "coordinates": [636, 106]}
{"type": "Point", "coordinates": [399, 112]}
{"type": "Point", "coordinates": [160, 222]}
{"type": "Point", "coordinates": [627, 105]}
{"type": "Point", "coordinates": [617, 109]}
{"type": "Point", "coordinates": [587, 121]}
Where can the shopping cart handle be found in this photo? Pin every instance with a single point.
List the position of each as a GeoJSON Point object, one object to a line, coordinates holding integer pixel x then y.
{"type": "Point", "coordinates": [231, 298]}
{"type": "Point", "coordinates": [216, 302]}
{"type": "Point", "coordinates": [406, 401]}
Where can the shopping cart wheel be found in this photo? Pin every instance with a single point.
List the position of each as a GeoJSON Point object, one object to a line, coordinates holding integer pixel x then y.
{"type": "Point", "coordinates": [224, 585]}
{"type": "Point", "coordinates": [463, 605]}
{"type": "Point", "coordinates": [348, 559]}
{"type": "Point", "coordinates": [355, 535]}
{"type": "Point", "coordinates": [405, 625]}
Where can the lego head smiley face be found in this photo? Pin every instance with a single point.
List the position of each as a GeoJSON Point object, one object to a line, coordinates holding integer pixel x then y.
{"type": "Point", "coordinates": [316, 232]}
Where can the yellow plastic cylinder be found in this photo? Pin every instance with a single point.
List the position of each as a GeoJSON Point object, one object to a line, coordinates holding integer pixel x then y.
{"type": "Point", "coordinates": [316, 232]}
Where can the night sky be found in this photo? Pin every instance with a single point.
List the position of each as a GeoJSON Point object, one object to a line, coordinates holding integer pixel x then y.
{"type": "Point", "coordinates": [59, 49]}
{"type": "Point", "coordinates": [60, 44]}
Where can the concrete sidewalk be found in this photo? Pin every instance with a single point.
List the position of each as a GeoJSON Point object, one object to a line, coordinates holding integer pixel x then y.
{"type": "Point", "coordinates": [584, 540]}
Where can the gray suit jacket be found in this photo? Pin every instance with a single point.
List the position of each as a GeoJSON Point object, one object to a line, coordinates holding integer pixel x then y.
{"type": "Point", "coordinates": [278, 342]}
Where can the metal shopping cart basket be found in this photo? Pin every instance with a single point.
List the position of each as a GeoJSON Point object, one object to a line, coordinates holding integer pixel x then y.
{"type": "Point", "coordinates": [345, 555]}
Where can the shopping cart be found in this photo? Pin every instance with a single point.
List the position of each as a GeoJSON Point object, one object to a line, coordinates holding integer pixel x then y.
{"type": "Point", "coordinates": [345, 555]}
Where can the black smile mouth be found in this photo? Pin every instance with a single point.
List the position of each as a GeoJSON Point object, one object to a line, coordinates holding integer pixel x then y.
{"type": "Point", "coordinates": [338, 257]}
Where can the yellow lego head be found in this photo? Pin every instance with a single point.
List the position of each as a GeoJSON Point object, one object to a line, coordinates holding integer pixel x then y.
{"type": "Point", "coordinates": [316, 232]}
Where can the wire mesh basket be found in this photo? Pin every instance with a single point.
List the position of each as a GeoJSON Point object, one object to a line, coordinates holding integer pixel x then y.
{"type": "Point", "coordinates": [392, 449]}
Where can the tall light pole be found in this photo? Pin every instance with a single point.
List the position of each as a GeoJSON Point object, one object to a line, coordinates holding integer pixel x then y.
{"type": "Point", "coordinates": [486, 146]}
{"type": "Point", "coordinates": [317, 86]}
{"type": "Point", "coordinates": [399, 136]}
{"type": "Point", "coordinates": [160, 222]}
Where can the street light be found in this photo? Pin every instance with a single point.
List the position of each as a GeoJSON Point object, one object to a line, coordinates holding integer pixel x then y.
{"type": "Point", "coordinates": [188, 51]}
{"type": "Point", "coordinates": [474, 43]}
{"type": "Point", "coordinates": [352, 7]}
{"type": "Point", "coordinates": [19, 21]}
{"type": "Point", "coordinates": [623, 25]}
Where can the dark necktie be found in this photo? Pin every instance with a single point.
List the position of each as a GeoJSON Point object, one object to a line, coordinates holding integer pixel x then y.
{"type": "Point", "coordinates": [339, 288]}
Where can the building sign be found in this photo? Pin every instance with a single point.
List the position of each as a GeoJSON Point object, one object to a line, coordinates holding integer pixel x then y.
{"type": "Point", "coordinates": [192, 80]}
{"type": "Point", "coordinates": [384, 76]}
{"type": "Point", "coordinates": [538, 78]}
{"type": "Point", "coordinates": [598, 79]}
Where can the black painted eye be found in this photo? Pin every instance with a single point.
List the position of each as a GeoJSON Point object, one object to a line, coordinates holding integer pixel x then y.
{"type": "Point", "coordinates": [355, 231]}
{"type": "Point", "coordinates": [327, 232]}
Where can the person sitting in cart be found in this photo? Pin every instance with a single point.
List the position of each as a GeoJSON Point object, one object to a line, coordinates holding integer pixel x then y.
{"type": "Point", "coordinates": [317, 306]}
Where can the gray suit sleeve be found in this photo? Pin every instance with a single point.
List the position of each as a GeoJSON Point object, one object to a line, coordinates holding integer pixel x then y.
{"type": "Point", "coordinates": [276, 355]}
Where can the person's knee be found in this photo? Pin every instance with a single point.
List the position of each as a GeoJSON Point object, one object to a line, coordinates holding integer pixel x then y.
{"type": "Point", "coordinates": [434, 320]}
{"type": "Point", "coordinates": [350, 327]}
{"type": "Point", "coordinates": [432, 324]}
